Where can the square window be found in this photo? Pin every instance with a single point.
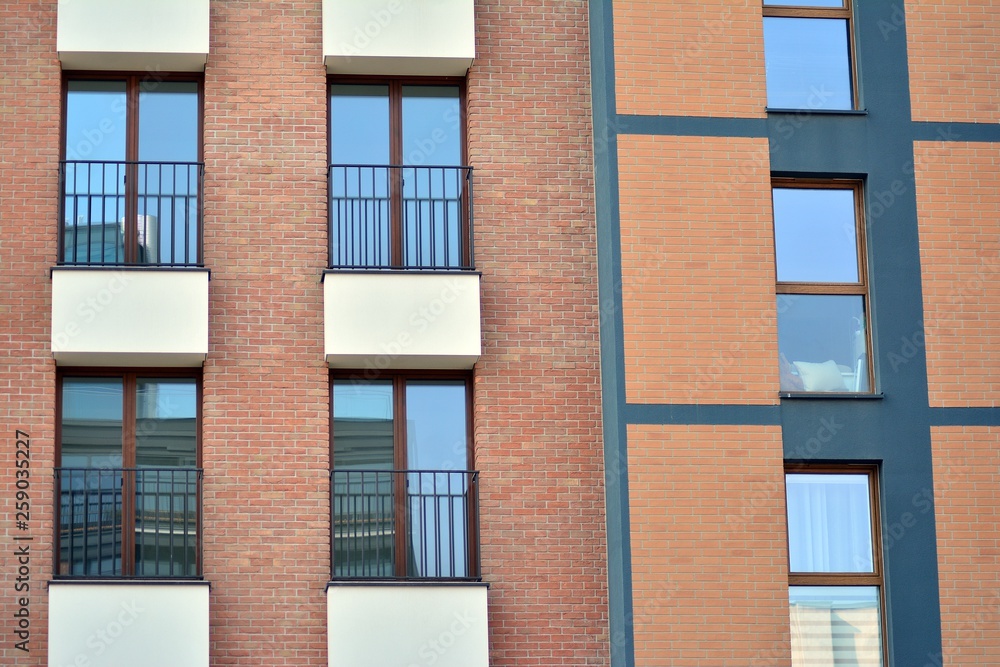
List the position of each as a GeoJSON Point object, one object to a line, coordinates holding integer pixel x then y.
{"type": "Point", "coordinates": [131, 176]}
{"type": "Point", "coordinates": [822, 288]}
{"type": "Point", "coordinates": [400, 195]}
{"type": "Point", "coordinates": [835, 576]}
{"type": "Point", "coordinates": [808, 55]}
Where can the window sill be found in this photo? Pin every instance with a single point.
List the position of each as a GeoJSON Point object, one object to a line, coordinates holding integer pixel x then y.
{"type": "Point", "coordinates": [838, 395]}
{"type": "Point", "coordinates": [818, 112]}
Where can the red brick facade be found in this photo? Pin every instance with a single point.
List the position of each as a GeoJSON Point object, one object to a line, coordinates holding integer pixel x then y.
{"type": "Point", "coordinates": [266, 396]}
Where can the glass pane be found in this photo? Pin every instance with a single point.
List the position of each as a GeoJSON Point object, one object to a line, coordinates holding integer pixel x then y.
{"type": "Point", "coordinates": [822, 343]}
{"type": "Point", "coordinates": [168, 122]}
{"type": "Point", "coordinates": [168, 193]}
{"type": "Point", "coordinates": [432, 195]}
{"type": "Point", "coordinates": [829, 523]}
{"type": "Point", "coordinates": [90, 504]}
{"type": "Point", "coordinates": [432, 133]}
{"type": "Point", "coordinates": [436, 435]}
{"type": "Point", "coordinates": [94, 195]}
{"type": "Point", "coordinates": [92, 423]}
{"type": "Point", "coordinates": [359, 124]}
{"type": "Point", "coordinates": [364, 488]}
{"type": "Point", "coordinates": [815, 235]}
{"type": "Point", "coordinates": [807, 63]}
{"type": "Point", "coordinates": [95, 120]}
{"type": "Point", "coordinates": [835, 626]}
{"type": "Point", "coordinates": [438, 502]}
{"type": "Point", "coordinates": [362, 425]}
{"type": "Point", "coordinates": [166, 423]}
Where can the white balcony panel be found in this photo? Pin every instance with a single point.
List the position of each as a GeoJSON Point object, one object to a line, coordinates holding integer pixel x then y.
{"type": "Point", "coordinates": [375, 625]}
{"type": "Point", "coordinates": [402, 320]}
{"type": "Point", "coordinates": [153, 35]}
{"type": "Point", "coordinates": [121, 317]}
{"type": "Point", "coordinates": [163, 624]}
{"type": "Point", "coordinates": [399, 37]}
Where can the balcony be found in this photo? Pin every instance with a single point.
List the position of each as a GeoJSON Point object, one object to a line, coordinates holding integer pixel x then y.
{"type": "Point", "coordinates": [152, 35]}
{"type": "Point", "coordinates": [399, 38]}
{"type": "Point", "coordinates": [129, 289]}
{"type": "Point", "coordinates": [414, 524]}
{"type": "Point", "coordinates": [141, 522]}
{"type": "Point", "coordinates": [100, 201]}
{"type": "Point", "coordinates": [405, 540]}
{"type": "Point", "coordinates": [401, 240]}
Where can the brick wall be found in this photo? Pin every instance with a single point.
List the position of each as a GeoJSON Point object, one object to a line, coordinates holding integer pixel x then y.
{"type": "Point", "coordinates": [967, 498]}
{"type": "Point", "coordinates": [954, 57]}
{"type": "Point", "coordinates": [698, 270]}
{"type": "Point", "coordinates": [690, 58]}
{"type": "Point", "coordinates": [958, 195]}
{"type": "Point", "coordinates": [709, 555]}
{"type": "Point", "coordinates": [29, 154]}
{"type": "Point", "coordinates": [265, 430]}
{"type": "Point", "coordinates": [538, 423]}
{"type": "Point", "coordinates": [266, 398]}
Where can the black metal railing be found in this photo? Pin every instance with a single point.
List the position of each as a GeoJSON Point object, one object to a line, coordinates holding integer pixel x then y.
{"type": "Point", "coordinates": [129, 521]}
{"type": "Point", "coordinates": [116, 213]}
{"type": "Point", "coordinates": [400, 217]}
{"type": "Point", "coordinates": [405, 523]}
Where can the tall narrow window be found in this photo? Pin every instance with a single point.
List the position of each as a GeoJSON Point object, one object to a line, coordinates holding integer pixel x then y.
{"type": "Point", "coordinates": [822, 287]}
{"type": "Point", "coordinates": [835, 575]}
{"type": "Point", "coordinates": [131, 177]}
{"type": "Point", "coordinates": [399, 195]}
{"type": "Point", "coordinates": [129, 482]}
{"type": "Point", "coordinates": [808, 54]}
{"type": "Point", "coordinates": [404, 497]}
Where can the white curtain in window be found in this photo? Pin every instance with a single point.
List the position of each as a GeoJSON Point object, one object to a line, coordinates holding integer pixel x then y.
{"type": "Point", "coordinates": [829, 523]}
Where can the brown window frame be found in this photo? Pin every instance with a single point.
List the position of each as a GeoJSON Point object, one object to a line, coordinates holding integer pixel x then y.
{"type": "Point", "coordinates": [129, 377]}
{"type": "Point", "coordinates": [876, 578]}
{"type": "Point", "coordinates": [858, 288]}
{"type": "Point", "coordinates": [399, 378]}
{"type": "Point", "coordinates": [396, 157]}
{"type": "Point", "coordinates": [845, 11]}
{"type": "Point", "coordinates": [135, 83]}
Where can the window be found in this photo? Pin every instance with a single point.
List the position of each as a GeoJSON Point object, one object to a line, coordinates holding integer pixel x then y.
{"type": "Point", "coordinates": [808, 54]}
{"type": "Point", "coordinates": [131, 180]}
{"type": "Point", "coordinates": [835, 575]}
{"type": "Point", "coordinates": [403, 495]}
{"type": "Point", "coordinates": [399, 195]}
{"type": "Point", "coordinates": [822, 288]}
{"type": "Point", "coordinates": [129, 482]}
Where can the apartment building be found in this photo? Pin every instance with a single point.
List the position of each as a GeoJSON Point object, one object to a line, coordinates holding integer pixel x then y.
{"type": "Point", "coordinates": [412, 332]}
{"type": "Point", "coordinates": [301, 338]}
{"type": "Point", "coordinates": [799, 255]}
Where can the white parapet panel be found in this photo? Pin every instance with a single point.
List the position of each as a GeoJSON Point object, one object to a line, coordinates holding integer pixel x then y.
{"type": "Point", "coordinates": [111, 624]}
{"type": "Point", "coordinates": [440, 624]}
{"type": "Point", "coordinates": [152, 35]}
{"type": "Point", "coordinates": [129, 317]}
{"type": "Point", "coordinates": [399, 320]}
{"type": "Point", "coordinates": [399, 37]}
